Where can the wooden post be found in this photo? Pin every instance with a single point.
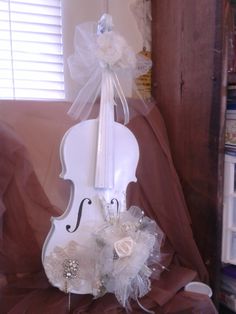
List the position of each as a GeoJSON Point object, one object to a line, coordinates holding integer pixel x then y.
{"type": "Point", "coordinates": [187, 84]}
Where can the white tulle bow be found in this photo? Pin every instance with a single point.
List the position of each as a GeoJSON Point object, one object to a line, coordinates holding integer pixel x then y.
{"type": "Point", "coordinates": [93, 53]}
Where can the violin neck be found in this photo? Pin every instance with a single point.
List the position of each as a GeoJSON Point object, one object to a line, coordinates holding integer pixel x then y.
{"type": "Point", "coordinates": [104, 173]}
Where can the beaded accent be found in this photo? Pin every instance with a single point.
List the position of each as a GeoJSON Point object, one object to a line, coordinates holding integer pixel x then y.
{"type": "Point", "coordinates": [71, 268]}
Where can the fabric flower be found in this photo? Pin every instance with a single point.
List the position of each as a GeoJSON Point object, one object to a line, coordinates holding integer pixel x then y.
{"type": "Point", "coordinates": [113, 50]}
{"type": "Point", "coordinates": [124, 247]}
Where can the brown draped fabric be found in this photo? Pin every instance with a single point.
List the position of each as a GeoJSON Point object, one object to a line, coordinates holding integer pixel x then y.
{"type": "Point", "coordinates": [25, 213]}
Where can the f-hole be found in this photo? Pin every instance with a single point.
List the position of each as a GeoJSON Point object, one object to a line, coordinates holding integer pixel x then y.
{"type": "Point", "coordinates": [115, 201]}
{"type": "Point", "coordinates": [68, 227]}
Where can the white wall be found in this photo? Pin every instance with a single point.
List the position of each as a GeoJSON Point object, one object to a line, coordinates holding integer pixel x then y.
{"type": "Point", "coordinates": [78, 11]}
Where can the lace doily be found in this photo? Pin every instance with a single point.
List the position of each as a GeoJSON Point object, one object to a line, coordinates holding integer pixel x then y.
{"type": "Point", "coordinates": [69, 266]}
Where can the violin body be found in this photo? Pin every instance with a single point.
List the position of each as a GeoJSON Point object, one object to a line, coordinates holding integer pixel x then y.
{"type": "Point", "coordinates": [90, 205]}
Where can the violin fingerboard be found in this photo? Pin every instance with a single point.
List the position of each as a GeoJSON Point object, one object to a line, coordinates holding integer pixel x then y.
{"type": "Point", "coordinates": [104, 176]}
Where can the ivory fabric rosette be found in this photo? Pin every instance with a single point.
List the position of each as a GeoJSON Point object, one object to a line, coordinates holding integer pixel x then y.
{"type": "Point", "coordinates": [113, 51]}
{"type": "Point", "coordinates": [124, 247]}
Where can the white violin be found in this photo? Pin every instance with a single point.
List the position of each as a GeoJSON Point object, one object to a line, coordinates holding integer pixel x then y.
{"type": "Point", "coordinates": [99, 157]}
{"type": "Point", "coordinates": [98, 245]}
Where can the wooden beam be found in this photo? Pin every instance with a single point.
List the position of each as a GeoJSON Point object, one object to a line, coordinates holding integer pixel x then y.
{"type": "Point", "coordinates": [187, 84]}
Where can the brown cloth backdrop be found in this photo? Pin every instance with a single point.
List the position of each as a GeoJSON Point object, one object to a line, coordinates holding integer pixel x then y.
{"type": "Point", "coordinates": [25, 213]}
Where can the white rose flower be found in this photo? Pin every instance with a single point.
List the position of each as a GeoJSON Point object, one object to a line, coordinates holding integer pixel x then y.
{"type": "Point", "coordinates": [113, 50]}
{"type": "Point", "coordinates": [124, 247]}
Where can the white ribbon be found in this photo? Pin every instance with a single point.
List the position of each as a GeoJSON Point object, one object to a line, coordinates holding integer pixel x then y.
{"type": "Point", "coordinates": [88, 94]}
{"type": "Point", "coordinates": [122, 98]}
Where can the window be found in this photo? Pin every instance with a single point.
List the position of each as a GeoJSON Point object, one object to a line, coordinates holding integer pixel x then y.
{"type": "Point", "coordinates": [31, 51]}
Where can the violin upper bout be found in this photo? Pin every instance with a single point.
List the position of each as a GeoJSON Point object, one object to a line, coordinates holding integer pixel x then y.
{"type": "Point", "coordinates": [78, 150]}
{"type": "Point", "coordinates": [127, 150]}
